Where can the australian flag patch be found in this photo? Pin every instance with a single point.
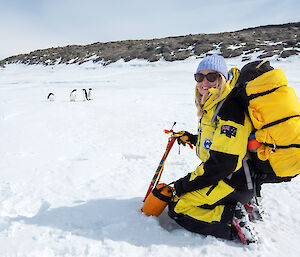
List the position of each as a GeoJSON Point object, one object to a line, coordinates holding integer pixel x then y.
{"type": "Point", "coordinates": [229, 131]}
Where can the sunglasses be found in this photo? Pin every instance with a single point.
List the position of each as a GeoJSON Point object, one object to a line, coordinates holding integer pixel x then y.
{"type": "Point", "coordinates": [211, 77]}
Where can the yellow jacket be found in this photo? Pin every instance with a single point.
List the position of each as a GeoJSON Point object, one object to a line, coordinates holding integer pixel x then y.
{"type": "Point", "coordinates": [221, 144]}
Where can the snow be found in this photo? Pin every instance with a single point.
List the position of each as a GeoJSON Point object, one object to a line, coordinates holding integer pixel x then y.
{"type": "Point", "coordinates": [74, 174]}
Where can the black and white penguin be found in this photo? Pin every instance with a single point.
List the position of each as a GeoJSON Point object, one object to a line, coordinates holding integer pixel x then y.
{"type": "Point", "coordinates": [73, 95]}
{"type": "Point", "coordinates": [90, 94]}
{"type": "Point", "coordinates": [50, 97]}
{"type": "Point", "coordinates": [85, 95]}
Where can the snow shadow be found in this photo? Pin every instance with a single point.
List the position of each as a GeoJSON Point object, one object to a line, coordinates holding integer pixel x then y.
{"type": "Point", "coordinates": [118, 220]}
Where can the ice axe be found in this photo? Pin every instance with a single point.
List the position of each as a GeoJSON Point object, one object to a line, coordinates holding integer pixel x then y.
{"type": "Point", "coordinates": [160, 167]}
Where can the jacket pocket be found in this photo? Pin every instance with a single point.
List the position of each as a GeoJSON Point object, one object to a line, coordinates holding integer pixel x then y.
{"type": "Point", "coordinates": [211, 189]}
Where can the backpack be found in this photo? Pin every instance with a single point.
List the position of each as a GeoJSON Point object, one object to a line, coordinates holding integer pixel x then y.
{"type": "Point", "coordinates": [274, 110]}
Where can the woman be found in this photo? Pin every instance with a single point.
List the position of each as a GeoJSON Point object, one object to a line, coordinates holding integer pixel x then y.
{"type": "Point", "coordinates": [205, 199]}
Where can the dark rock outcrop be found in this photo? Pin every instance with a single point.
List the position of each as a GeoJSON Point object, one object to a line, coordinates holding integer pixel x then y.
{"type": "Point", "coordinates": [281, 41]}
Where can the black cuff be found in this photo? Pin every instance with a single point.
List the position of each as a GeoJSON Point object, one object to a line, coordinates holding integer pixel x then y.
{"type": "Point", "coordinates": [178, 187]}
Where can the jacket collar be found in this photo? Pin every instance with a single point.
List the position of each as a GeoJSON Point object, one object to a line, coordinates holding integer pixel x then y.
{"type": "Point", "coordinates": [214, 98]}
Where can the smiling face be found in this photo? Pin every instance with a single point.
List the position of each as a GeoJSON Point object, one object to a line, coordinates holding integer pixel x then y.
{"type": "Point", "coordinates": [205, 85]}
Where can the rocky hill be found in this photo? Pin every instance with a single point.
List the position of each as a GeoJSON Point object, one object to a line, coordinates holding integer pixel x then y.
{"type": "Point", "coordinates": [279, 40]}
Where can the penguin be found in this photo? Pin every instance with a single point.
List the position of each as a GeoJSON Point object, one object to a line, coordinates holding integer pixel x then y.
{"type": "Point", "coordinates": [73, 95]}
{"type": "Point", "coordinates": [90, 94]}
{"type": "Point", "coordinates": [85, 95]}
{"type": "Point", "coordinates": [50, 97]}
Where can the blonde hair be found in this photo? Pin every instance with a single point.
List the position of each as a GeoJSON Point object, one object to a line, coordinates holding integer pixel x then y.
{"type": "Point", "coordinates": [201, 99]}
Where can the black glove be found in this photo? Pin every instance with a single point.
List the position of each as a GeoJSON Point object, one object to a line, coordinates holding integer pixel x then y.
{"type": "Point", "coordinates": [184, 137]}
{"type": "Point", "coordinates": [178, 187]}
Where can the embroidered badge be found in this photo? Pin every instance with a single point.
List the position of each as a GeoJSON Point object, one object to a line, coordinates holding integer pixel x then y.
{"type": "Point", "coordinates": [207, 142]}
{"type": "Point", "coordinates": [229, 131]}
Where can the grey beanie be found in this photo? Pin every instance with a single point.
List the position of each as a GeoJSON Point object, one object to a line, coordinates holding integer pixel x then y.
{"type": "Point", "coordinates": [214, 62]}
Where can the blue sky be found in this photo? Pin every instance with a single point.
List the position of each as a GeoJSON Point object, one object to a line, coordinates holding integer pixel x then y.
{"type": "Point", "coordinates": [27, 25]}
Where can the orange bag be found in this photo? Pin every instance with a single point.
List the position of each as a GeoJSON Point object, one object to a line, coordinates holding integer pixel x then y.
{"type": "Point", "coordinates": [157, 200]}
